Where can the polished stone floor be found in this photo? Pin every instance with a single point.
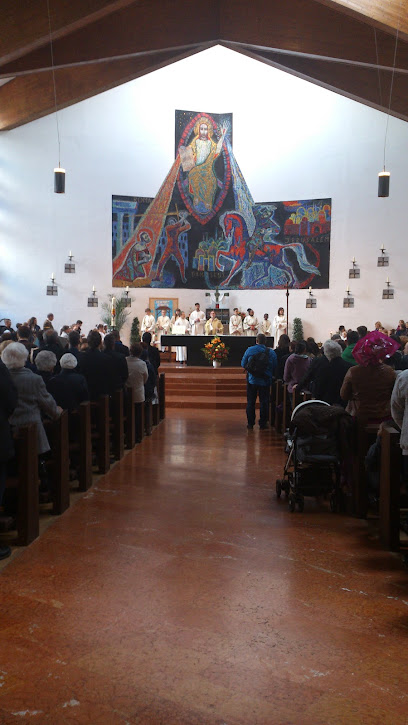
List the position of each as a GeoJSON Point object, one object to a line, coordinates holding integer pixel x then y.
{"type": "Point", "coordinates": [179, 591]}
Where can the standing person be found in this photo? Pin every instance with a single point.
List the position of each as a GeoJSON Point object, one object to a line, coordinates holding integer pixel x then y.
{"type": "Point", "coordinates": [399, 412]}
{"type": "Point", "coordinates": [296, 366]}
{"type": "Point", "coordinates": [266, 326]}
{"type": "Point", "coordinates": [174, 317]}
{"type": "Point", "coordinates": [181, 327]}
{"type": "Point", "coordinates": [197, 320]}
{"type": "Point", "coordinates": [352, 340]}
{"type": "Point", "coordinates": [250, 324]}
{"type": "Point", "coordinates": [260, 363]}
{"type": "Point", "coordinates": [48, 322]}
{"type": "Point", "coordinates": [148, 322]}
{"type": "Point", "coordinates": [214, 326]}
{"type": "Point", "coordinates": [7, 326]}
{"type": "Point", "coordinates": [280, 324]}
{"type": "Point", "coordinates": [138, 374]}
{"type": "Point", "coordinates": [97, 367]}
{"type": "Point", "coordinates": [152, 351]}
{"type": "Point", "coordinates": [69, 389]}
{"type": "Point", "coordinates": [163, 323]}
{"type": "Point", "coordinates": [235, 323]}
{"type": "Point", "coordinates": [118, 362]}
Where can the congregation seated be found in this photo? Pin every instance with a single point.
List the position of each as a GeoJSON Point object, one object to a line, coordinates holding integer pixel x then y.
{"type": "Point", "coordinates": [119, 346]}
{"type": "Point", "coordinates": [118, 362]}
{"type": "Point", "coordinates": [312, 348]}
{"type": "Point", "coordinates": [325, 375]}
{"type": "Point", "coordinates": [45, 363]}
{"type": "Point", "coordinates": [138, 373]}
{"type": "Point", "coordinates": [152, 351]}
{"type": "Point", "coordinates": [97, 368]}
{"type": "Point", "coordinates": [367, 386]}
{"type": "Point", "coordinates": [296, 366]}
{"type": "Point", "coordinates": [51, 343]}
{"type": "Point", "coordinates": [69, 388]}
{"type": "Point", "coordinates": [33, 398]}
{"type": "Point", "coordinates": [8, 402]}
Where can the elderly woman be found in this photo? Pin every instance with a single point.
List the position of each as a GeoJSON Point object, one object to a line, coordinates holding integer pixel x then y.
{"type": "Point", "coordinates": [69, 389]}
{"type": "Point", "coordinates": [33, 398]}
{"type": "Point", "coordinates": [367, 386]}
{"type": "Point", "coordinates": [45, 363]}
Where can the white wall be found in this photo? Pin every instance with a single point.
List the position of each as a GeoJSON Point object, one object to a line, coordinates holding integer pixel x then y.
{"type": "Point", "coordinates": [122, 142]}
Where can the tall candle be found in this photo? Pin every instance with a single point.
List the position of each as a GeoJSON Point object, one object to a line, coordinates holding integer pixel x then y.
{"type": "Point", "coordinates": [113, 311]}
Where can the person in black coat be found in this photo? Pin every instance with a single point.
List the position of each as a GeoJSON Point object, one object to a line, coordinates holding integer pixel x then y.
{"type": "Point", "coordinates": [50, 342]}
{"type": "Point", "coordinates": [8, 402]}
{"type": "Point", "coordinates": [119, 364]}
{"type": "Point", "coordinates": [119, 346]}
{"type": "Point", "coordinates": [69, 389]}
{"type": "Point", "coordinates": [150, 383]}
{"type": "Point", "coordinates": [97, 368]}
{"type": "Point", "coordinates": [153, 353]}
{"type": "Point", "coordinates": [74, 339]}
{"type": "Point", "coordinates": [326, 374]}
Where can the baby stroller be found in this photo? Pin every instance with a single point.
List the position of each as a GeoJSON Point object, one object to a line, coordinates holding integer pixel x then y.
{"type": "Point", "coordinates": [313, 466]}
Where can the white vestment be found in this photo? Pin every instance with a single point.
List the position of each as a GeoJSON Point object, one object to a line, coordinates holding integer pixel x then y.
{"type": "Point", "coordinates": [279, 327]}
{"type": "Point", "coordinates": [181, 327]}
{"type": "Point", "coordinates": [266, 327]}
{"type": "Point", "coordinates": [249, 321]}
{"type": "Point", "coordinates": [197, 321]}
{"type": "Point", "coordinates": [235, 325]}
{"type": "Point", "coordinates": [163, 326]}
{"type": "Point", "coordinates": [148, 324]}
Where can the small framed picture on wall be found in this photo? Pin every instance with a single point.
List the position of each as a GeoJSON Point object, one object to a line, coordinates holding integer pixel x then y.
{"type": "Point", "coordinates": [163, 306]}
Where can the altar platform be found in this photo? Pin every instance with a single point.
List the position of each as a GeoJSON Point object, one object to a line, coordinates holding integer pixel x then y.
{"type": "Point", "coordinates": [194, 344]}
{"type": "Point", "coordinates": [205, 387]}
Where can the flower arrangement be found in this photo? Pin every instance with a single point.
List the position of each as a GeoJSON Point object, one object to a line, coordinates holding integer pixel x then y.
{"type": "Point", "coordinates": [215, 350]}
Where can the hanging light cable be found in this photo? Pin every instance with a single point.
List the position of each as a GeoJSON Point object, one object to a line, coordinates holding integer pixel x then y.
{"type": "Point", "coordinates": [59, 173]}
{"type": "Point", "coordinates": [384, 176]}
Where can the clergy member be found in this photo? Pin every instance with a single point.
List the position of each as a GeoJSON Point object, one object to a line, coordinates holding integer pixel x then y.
{"type": "Point", "coordinates": [235, 323]}
{"type": "Point", "coordinates": [279, 325]}
{"type": "Point", "coordinates": [163, 324]}
{"type": "Point", "coordinates": [214, 326]}
{"type": "Point", "coordinates": [148, 322]}
{"type": "Point", "coordinates": [250, 324]}
{"type": "Point", "coordinates": [181, 327]}
{"type": "Point", "coordinates": [266, 325]}
{"type": "Point", "coordinates": [197, 320]}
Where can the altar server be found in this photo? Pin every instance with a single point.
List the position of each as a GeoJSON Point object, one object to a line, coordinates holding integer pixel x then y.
{"type": "Point", "coordinates": [250, 324]}
{"type": "Point", "coordinates": [181, 327]}
{"type": "Point", "coordinates": [235, 323]}
{"type": "Point", "coordinates": [266, 325]}
{"type": "Point", "coordinates": [214, 326]}
{"type": "Point", "coordinates": [197, 320]}
{"type": "Point", "coordinates": [163, 324]}
{"type": "Point", "coordinates": [279, 325]}
{"type": "Point", "coordinates": [148, 322]}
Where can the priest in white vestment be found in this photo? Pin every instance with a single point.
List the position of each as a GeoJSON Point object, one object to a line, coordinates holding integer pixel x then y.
{"type": "Point", "coordinates": [181, 327]}
{"type": "Point", "coordinates": [148, 323]}
{"type": "Point", "coordinates": [163, 323]}
{"type": "Point", "coordinates": [279, 325]}
{"type": "Point", "coordinates": [197, 320]}
{"type": "Point", "coordinates": [235, 323]}
{"type": "Point", "coordinates": [250, 324]}
{"type": "Point", "coordinates": [214, 326]}
{"type": "Point", "coordinates": [266, 326]}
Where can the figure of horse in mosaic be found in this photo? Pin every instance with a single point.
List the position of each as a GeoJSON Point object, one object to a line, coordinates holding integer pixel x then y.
{"type": "Point", "coordinates": [268, 253]}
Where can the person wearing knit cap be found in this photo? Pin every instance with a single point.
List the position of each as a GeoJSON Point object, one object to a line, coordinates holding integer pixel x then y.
{"type": "Point", "coordinates": [69, 388]}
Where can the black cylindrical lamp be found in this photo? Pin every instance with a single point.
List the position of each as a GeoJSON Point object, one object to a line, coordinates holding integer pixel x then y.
{"type": "Point", "coordinates": [384, 183]}
{"type": "Point", "coordinates": [59, 181]}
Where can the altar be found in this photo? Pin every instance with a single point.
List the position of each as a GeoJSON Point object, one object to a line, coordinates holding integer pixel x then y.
{"type": "Point", "coordinates": [194, 344]}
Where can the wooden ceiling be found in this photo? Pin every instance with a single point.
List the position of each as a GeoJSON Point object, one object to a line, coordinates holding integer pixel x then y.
{"type": "Point", "coordinates": [347, 46]}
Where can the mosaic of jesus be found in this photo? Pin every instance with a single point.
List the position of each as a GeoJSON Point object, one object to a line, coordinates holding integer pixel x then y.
{"type": "Point", "coordinates": [204, 230]}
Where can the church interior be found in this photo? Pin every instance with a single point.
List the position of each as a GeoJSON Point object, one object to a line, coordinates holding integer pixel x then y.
{"type": "Point", "coordinates": [168, 573]}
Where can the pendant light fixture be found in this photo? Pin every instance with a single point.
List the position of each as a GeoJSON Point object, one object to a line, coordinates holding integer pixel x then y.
{"type": "Point", "coordinates": [59, 172]}
{"type": "Point", "coordinates": [384, 176]}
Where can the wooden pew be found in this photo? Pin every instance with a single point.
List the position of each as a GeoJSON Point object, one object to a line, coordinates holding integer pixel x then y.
{"type": "Point", "coordinates": [364, 435]}
{"type": "Point", "coordinates": [295, 399]}
{"type": "Point", "coordinates": [162, 396]}
{"type": "Point", "coordinates": [139, 413]}
{"type": "Point", "coordinates": [278, 404]}
{"type": "Point", "coordinates": [148, 417]}
{"type": "Point", "coordinates": [26, 483]}
{"type": "Point", "coordinates": [285, 408]}
{"type": "Point", "coordinates": [390, 474]}
{"type": "Point", "coordinates": [100, 432]}
{"type": "Point", "coordinates": [129, 418]}
{"type": "Point", "coordinates": [272, 404]}
{"type": "Point", "coordinates": [156, 414]}
{"type": "Point", "coordinates": [58, 461]}
{"type": "Point", "coordinates": [117, 425]}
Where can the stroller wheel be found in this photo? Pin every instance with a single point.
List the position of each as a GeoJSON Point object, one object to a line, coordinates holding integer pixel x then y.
{"type": "Point", "coordinates": [278, 487]}
{"type": "Point", "coordinates": [301, 504]}
{"type": "Point", "coordinates": [292, 504]}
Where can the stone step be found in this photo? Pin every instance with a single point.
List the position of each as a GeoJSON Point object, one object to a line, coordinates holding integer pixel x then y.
{"type": "Point", "coordinates": [207, 402]}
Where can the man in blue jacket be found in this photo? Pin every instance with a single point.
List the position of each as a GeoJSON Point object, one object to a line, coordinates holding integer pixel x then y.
{"type": "Point", "coordinates": [260, 363]}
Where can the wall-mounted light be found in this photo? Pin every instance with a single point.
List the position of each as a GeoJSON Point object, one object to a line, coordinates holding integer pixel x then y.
{"type": "Point", "coordinates": [349, 300]}
{"type": "Point", "coordinates": [93, 300]}
{"type": "Point", "coordinates": [70, 266]}
{"type": "Point", "coordinates": [384, 260]}
{"type": "Point", "coordinates": [126, 300]}
{"type": "Point", "coordinates": [354, 272]}
{"type": "Point", "coordinates": [388, 294]}
{"type": "Point", "coordinates": [311, 301]}
{"type": "Point", "coordinates": [52, 289]}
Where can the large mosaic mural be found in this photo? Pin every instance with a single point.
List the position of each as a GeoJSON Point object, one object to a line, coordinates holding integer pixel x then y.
{"type": "Point", "coordinates": [204, 230]}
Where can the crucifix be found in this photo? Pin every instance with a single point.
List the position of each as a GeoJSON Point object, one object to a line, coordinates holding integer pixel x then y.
{"type": "Point", "coordinates": [217, 296]}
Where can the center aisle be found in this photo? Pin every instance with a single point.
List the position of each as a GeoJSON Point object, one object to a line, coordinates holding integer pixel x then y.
{"type": "Point", "coordinates": [179, 591]}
